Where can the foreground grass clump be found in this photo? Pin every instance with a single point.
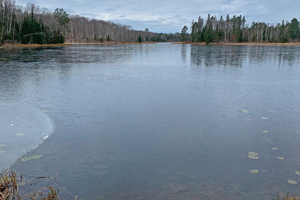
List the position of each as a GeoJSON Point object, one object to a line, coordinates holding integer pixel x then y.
{"type": "Point", "coordinates": [10, 181]}
{"type": "Point", "coordinates": [287, 197]}
{"type": "Point", "coordinates": [9, 188]}
{"type": "Point", "coordinates": [9, 185]}
{"type": "Point", "coordinates": [52, 195]}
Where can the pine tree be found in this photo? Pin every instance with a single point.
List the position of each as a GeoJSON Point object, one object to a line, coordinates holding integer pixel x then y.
{"type": "Point", "coordinates": [239, 36]}
{"type": "Point", "coordinates": [208, 34]}
{"type": "Point", "coordinates": [194, 32]}
{"type": "Point", "coordinates": [294, 29]}
{"type": "Point", "coordinates": [140, 39]}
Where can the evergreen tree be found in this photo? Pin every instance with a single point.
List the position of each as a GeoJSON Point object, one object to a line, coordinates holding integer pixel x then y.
{"type": "Point", "coordinates": [283, 37]}
{"type": "Point", "coordinates": [208, 34]}
{"type": "Point", "coordinates": [194, 31]}
{"type": "Point", "coordinates": [62, 17]}
{"type": "Point", "coordinates": [184, 33]}
{"type": "Point", "coordinates": [239, 35]}
{"type": "Point", "coordinates": [294, 29]}
{"type": "Point", "coordinates": [200, 37]}
{"type": "Point", "coordinates": [35, 32]}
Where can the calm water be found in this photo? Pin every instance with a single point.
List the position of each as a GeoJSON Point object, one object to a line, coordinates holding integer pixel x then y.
{"type": "Point", "coordinates": [157, 121]}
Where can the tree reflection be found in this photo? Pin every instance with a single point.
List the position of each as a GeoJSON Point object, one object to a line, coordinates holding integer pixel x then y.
{"type": "Point", "coordinates": [237, 56]}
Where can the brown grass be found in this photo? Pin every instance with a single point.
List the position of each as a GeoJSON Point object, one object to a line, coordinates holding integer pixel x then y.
{"type": "Point", "coordinates": [111, 42]}
{"type": "Point", "coordinates": [10, 181]}
{"type": "Point", "coordinates": [287, 197]}
{"type": "Point", "coordinates": [52, 195]}
{"type": "Point", "coordinates": [9, 185]}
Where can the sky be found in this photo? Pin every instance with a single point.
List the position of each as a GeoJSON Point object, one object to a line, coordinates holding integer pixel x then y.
{"type": "Point", "coordinates": [171, 15]}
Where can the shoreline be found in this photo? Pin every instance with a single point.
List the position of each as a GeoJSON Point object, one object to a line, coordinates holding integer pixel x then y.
{"type": "Point", "coordinates": [242, 44]}
{"type": "Point", "coordinates": [8, 45]}
{"type": "Point", "coordinates": [32, 45]}
{"type": "Point", "coordinates": [102, 43]}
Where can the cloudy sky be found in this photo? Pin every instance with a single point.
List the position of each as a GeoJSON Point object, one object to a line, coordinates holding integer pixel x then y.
{"type": "Point", "coordinates": [171, 15]}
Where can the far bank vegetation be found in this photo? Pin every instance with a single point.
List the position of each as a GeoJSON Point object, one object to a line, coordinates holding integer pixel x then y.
{"type": "Point", "coordinates": [235, 29]}
{"type": "Point", "coordinates": [36, 25]}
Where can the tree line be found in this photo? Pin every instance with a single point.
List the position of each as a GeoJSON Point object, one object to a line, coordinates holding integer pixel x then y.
{"type": "Point", "coordinates": [82, 29]}
{"type": "Point", "coordinates": [34, 24]}
{"type": "Point", "coordinates": [235, 29]}
{"type": "Point", "coordinates": [25, 27]}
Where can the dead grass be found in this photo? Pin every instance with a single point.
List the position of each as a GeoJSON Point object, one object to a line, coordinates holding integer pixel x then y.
{"type": "Point", "coordinates": [11, 181]}
{"type": "Point", "coordinates": [287, 197]}
{"type": "Point", "coordinates": [9, 185]}
{"type": "Point", "coordinates": [52, 195]}
{"type": "Point", "coordinates": [111, 42]}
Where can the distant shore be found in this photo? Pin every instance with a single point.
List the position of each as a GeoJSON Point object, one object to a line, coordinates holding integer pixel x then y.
{"type": "Point", "coordinates": [32, 45]}
{"type": "Point", "coordinates": [6, 45]}
{"type": "Point", "coordinates": [111, 42]}
{"type": "Point", "coordinates": [243, 43]}
{"type": "Point", "coordinates": [105, 43]}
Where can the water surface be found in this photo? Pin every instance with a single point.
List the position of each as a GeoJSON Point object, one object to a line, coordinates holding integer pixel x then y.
{"type": "Point", "coordinates": [161, 121]}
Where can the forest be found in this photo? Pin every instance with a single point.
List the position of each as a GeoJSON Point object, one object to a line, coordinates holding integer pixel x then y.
{"type": "Point", "coordinates": [25, 26]}
{"type": "Point", "coordinates": [36, 25]}
{"type": "Point", "coordinates": [235, 29]}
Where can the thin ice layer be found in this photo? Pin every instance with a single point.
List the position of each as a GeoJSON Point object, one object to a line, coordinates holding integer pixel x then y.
{"type": "Point", "coordinates": [23, 128]}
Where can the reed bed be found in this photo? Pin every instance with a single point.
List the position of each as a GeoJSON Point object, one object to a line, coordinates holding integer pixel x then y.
{"type": "Point", "coordinates": [10, 181]}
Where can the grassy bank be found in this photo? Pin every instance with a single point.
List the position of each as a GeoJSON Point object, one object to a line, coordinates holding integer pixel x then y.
{"type": "Point", "coordinates": [101, 43]}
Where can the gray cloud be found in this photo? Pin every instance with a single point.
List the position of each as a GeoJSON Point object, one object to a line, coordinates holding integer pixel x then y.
{"type": "Point", "coordinates": [110, 9]}
{"type": "Point", "coordinates": [172, 15]}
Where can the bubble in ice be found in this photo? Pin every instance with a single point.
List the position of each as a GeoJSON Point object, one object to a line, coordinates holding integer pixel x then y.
{"type": "Point", "coordinates": [292, 182]}
{"type": "Point", "coordinates": [267, 141]}
{"type": "Point", "coordinates": [254, 171]}
{"type": "Point", "coordinates": [34, 157]}
{"type": "Point", "coordinates": [253, 155]}
{"type": "Point", "coordinates": [2, 152]}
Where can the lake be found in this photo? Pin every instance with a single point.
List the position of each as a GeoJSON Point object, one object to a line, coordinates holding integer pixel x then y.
{"type": "Point", "coordinates": [154, 121]}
